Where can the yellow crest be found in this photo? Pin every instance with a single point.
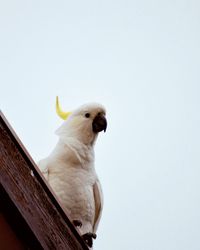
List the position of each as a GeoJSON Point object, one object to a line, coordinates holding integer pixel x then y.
{"type": "Point", "coordinates": [62, 114]}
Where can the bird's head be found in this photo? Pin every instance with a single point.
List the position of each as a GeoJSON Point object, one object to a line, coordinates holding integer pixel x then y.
{"type": "Point", "coordinates": [82, 124]}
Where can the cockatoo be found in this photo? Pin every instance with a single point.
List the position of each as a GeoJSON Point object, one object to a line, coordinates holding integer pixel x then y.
{"type": "Point", "coordinates": [70, 170]}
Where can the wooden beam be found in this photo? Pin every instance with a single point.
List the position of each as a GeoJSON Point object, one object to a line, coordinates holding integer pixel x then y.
{"type": "Point", "coordinates": [15, 234]}
{"type": "Point", "coordinates": [29, 192]}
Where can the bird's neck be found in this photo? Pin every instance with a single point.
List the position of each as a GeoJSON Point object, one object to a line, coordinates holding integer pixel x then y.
{"type": "Point", "coordinates": [72, 150]}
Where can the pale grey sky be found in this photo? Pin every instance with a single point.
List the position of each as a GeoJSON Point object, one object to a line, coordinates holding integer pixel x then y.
{"type": "Point", "coordinates": [141, 59]}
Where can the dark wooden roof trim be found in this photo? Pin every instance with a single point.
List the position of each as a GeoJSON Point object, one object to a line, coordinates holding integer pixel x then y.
{"type": "Point", "coordinates": [30, 193]}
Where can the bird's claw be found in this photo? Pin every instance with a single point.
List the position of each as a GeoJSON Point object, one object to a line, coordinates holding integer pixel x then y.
{"type": "Point", "coordinates": [88, 238]}
{"type": "Point", "coordinates": [77, 223]}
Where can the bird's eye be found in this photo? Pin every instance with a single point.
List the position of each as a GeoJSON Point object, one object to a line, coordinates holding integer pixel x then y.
{"type": "Point", "coordinates": [87, 115]}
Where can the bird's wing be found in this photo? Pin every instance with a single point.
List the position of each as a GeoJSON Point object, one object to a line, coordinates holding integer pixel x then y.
{"type": "Point", "coordinates": [98, 200]}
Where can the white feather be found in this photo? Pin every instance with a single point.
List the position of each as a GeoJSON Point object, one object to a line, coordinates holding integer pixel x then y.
{"type": "Point", "coordinates": [70, 170]}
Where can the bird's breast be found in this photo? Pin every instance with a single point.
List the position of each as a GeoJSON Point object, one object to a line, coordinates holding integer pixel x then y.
{"type": "Point", "coordinates": [74, 188]}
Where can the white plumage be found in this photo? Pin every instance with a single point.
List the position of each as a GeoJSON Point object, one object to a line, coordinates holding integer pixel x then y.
{"type": "Point", "coordinates": [70, 170]}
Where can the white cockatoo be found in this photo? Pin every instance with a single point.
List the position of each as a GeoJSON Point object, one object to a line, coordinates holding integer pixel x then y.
{"type": "Point", "coordinates": [69, 168]}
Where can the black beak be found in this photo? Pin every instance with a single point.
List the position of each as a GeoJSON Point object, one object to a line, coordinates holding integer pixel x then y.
{"type": "Point", "coordinates": [99, 123]}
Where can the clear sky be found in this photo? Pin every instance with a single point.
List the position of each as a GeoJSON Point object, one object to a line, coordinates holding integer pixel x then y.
{"type": "Point", "coordinates": [141, 59]}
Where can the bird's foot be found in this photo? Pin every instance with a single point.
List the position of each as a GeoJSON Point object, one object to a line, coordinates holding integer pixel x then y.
{"type": "Point", "coordinates": [77, 223]}
{"type": "Point", "coordinates": [88, 238]}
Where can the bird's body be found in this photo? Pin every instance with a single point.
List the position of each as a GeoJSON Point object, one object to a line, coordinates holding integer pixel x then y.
{"type": "Point", "coordinates": [71, 174]}
{"type": "Point", "coordinates": [70, 171]}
